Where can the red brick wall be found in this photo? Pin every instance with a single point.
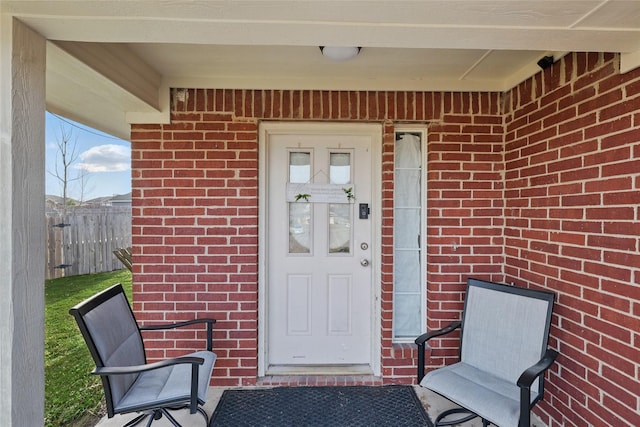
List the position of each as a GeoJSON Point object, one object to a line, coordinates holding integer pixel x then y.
{"type": "Point", "coordinates": [539, 186]}
{"type": "Point", "coordinates": [572, 225]}
{"type": "Point", "coordinates": [464, 211]}
{"type": "Point", "coordinates": [195, 212]}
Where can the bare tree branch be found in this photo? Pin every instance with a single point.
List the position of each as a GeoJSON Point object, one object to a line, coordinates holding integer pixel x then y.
{"type": "Point", "coordinates": [66, 155]}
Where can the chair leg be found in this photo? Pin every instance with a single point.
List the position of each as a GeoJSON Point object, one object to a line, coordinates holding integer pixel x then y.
{"type": "Point", "coordinates": [204, 414]}
{"type": "Point", "coordinates": [440, 422]}
{"type": "Point", "coordinates": [153, 416]}
{"type": "Point", "coordinates": [137, 420]}
{"type": "Point", "coordinates": [170, 417]}
{"type": "Point", "coordinates": [158, 413]}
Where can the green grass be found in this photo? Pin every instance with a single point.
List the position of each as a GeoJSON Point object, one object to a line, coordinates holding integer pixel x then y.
{"type": "Point", "coordinates": [72, 394]}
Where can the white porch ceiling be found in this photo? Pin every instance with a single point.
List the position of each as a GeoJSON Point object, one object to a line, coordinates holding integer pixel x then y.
{"type": "Point", "coordinates": [111, 62]}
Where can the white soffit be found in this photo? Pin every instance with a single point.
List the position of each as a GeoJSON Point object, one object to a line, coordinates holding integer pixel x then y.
{"type": "Point", "coordinates": [137, 49]}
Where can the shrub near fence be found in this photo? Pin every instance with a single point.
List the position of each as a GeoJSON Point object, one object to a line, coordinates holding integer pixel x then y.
{"type": "Point", "coordinates": [82, 241]}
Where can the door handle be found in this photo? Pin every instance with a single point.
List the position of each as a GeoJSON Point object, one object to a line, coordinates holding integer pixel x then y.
{"type": "Point", "coordinates": [364, 262]}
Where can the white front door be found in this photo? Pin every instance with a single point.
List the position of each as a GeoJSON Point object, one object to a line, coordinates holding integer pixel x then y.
{"type": "Point", "coordinates": [319, 250]}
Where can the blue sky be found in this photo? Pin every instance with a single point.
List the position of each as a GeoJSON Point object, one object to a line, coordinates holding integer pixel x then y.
{"type": "Point", "coordinates": [105, 161]}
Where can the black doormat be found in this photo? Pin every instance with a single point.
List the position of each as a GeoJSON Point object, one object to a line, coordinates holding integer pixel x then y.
{"type": "Point", "coordinates": [345, 406]}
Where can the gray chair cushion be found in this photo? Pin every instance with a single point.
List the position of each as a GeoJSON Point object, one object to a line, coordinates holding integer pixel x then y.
{"type": "Point", "coordinates": [168, 384]}
{"type": "Point", "coordinates": [487, 395]}
{"type": "Point", "coordinates": [503, 332]}
{"type": "Point", "coordinates": [118, 342]}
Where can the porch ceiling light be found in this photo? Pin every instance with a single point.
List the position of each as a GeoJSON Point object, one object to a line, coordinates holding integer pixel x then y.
{"type": "Point", "coordinates": [340, 53]}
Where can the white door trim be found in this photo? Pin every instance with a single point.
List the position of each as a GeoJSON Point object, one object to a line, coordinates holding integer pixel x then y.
{"type": "Point", "coordinates": [316, 128]}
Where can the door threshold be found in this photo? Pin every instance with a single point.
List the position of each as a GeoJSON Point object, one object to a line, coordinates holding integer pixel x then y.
{"type": "Point", "coordinates": [276, 370]}
{"type": "Point", "coordinates": [318, 380]}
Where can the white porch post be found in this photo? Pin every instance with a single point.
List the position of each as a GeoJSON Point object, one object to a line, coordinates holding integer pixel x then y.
{"type": "Point", "coordinates": [22, 169]}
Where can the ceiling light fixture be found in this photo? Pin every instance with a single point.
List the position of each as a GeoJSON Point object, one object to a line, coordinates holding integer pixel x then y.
{"type": "Point", "coordinates": [340, 53]}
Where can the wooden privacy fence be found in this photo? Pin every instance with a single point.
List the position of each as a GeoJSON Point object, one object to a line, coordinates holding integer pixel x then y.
{"type": "Point", "coordinates": [82, 241]}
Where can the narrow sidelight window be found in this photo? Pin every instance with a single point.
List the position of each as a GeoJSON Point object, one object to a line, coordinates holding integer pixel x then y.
{"type": "Point", "coordinates": [408, 234]}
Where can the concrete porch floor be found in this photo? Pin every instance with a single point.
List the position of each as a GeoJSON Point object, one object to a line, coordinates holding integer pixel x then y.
{"type": "Point", "coordinates": [433, 403]}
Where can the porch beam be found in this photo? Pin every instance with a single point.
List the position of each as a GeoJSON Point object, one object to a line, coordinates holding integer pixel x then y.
{"type": "Point", "coordinates": [109, 78]}
{"type": "Point", "coordinates": [118, 64]}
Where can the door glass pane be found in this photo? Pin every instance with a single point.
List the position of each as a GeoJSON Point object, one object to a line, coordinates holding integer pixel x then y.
{"type": "Point", "coordinates": [340, 168]}
{"type": "Point", "coordinates": [406, 191]}
{"type": "Point", "coordinates": [407, 315]}
{"type": "Point", "coordinates": [299, 167]}
{"type": "Point", "coordinates": [406, 271]}
{"type": "Point", "coordinates": [340, 228]}
{"type": "Point", "coordinates": [406, 228]}
{"type": "Point", "coordinates": [408, 151]}
{"type": "Point", "coordinates": [299, 228]}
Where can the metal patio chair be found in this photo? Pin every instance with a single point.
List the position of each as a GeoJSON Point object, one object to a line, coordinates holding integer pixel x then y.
{"type": "Point", "coordinates": [503, 356]}
{"type": "Point", "coordinates": [131, 384]}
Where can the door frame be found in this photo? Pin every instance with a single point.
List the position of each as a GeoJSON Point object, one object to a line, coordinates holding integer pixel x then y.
{"type": "Point", "coordinates": [374, 130]}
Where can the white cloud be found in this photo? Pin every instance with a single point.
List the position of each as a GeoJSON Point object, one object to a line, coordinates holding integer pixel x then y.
{"type": "Point", "coordinates": [105, 158]}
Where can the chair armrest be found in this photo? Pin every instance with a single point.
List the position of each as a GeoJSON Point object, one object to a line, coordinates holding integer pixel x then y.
{"type": "Point", "coordinates": [175, 325]}
{"type": "Point", "coordinates": [422, 339]}
{"type": "Point", "coordinates": [526, 379]}
{"type": "Point", "coordinates": [447, 329]}
{"type": "Point", "coordinates": [134, 369]}
{"type": "Point", "coordinates": [533, 372]}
